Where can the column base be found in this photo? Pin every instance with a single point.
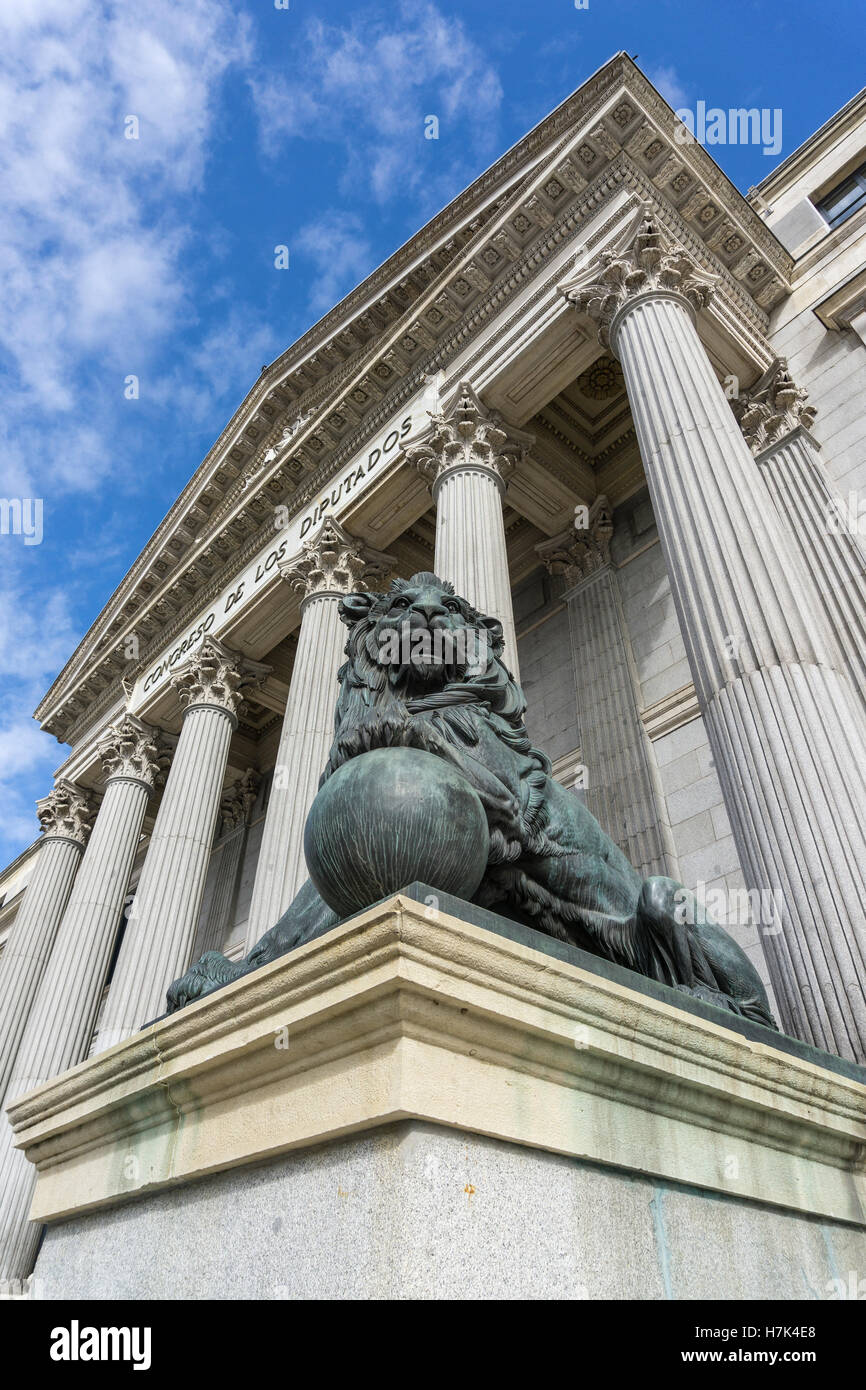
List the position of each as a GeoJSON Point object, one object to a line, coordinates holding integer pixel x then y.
{"type": "Point", "coordinates": [445, 1104]}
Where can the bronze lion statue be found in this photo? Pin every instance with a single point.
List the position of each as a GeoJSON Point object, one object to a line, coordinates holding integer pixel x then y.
{"type": "Point", "coordinates": [424, 671]}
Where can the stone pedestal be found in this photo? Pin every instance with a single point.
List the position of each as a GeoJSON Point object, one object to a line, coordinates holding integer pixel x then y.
{"type": "Point", "coordinates": [787, 733]}
{"type": "Point", "coordinates": [65, 816]}
{"type": "Point", "coordinates": [331, 564]}
{"type": "Point", "coordinates": [468, 455]}
{"type": "Point", "coordinates": [161, 928]}
{"type": "Point", "coordinates": [435, 1102]}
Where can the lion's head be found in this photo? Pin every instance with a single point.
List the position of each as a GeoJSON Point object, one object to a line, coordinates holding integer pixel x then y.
{"type": "Point", "coordinates": [418, 649]}
{"type": "Point", "coordinates": [421, 635]}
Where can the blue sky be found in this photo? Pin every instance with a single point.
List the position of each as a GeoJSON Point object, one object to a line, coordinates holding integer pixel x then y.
{"type": "Point", "coordinates": [261, 126]}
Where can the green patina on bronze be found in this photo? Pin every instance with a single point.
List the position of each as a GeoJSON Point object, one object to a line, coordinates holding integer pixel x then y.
{"type": "Point", "coordinates": [424, 680]}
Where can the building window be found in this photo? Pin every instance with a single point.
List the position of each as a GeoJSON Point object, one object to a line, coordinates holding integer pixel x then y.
{"type": "Point", "coordinates": [845, 199]}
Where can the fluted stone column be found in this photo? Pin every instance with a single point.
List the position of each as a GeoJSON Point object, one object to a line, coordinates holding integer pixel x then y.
{"type": "Point", "coordinates": [623, 788]}
{"type": "Point", "coordinates": [234, 816]}
{"type": "Point", "coordinates": [161, 929]}
{"type": "Point", "coordinates": [467, 454]}
{"type": "Point", "coordinates": [783, 722]}
{"type": "Point", "coordinates": [776, 423]}
{"type": "Point", "coordinates": [65, 816]}
{"type": "Point", "coordinates": [60, 1026]}
{"type": "Point", "coordinates": [332, 563]}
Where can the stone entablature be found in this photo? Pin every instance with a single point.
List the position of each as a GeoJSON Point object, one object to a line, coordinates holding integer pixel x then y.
{"type": "Point", "coordinates": [319, 400]}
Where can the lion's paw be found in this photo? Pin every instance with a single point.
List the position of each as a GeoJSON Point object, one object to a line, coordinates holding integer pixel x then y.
{"type": "Point", "coordinates": [208, 974]}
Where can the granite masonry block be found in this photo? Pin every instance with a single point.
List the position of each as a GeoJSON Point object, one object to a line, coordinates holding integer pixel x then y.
{"type": "Point", "coordinates": [710, 862]}
{"type": "Point", "coordinates": [682, 740]}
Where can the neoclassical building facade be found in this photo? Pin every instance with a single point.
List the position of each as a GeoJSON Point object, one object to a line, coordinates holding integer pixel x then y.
{"type": "Point", "coordinates": [618, 405]}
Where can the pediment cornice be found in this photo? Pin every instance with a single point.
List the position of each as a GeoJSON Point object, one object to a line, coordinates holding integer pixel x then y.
{"type": "Point", "coordinates": [322, 400]}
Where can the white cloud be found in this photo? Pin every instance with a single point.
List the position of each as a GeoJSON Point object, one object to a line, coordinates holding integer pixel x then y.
{"type": "Point", "coordinates": [220, 369]}
{"type": "Point", "coordinates": [370, 85]}
{"type": "Point", "coordinates": [89, 253]}
{"type": "Point", "coordinates": [37, 633]}
{"type": "Point", "coordinates": [340, 252]}
{"type": "Point", "coordinates": [666, 80]}
{"type": "Point", "coordinates": [93, 233]}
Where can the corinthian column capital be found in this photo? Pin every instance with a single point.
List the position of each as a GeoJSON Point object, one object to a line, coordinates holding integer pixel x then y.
{"type": "Point", "coordinates": [468, 436]}
{"type": "Point", "coordinates": [134, 751]}
{"type": "Point", "coordinates": [66, 813]}
{"type": "Point", "coordinates": [237, 801]}
{"type": "Point", "coordinates": [333, 562]}
{"type": "Point", "coordinates": [584, 548]}
{"type": "Point", "coordinates": [217, 677]}
{"type": "Point", "coordinates": [773, 408]}
{"type": "Point", "coordinates": [647, 261]}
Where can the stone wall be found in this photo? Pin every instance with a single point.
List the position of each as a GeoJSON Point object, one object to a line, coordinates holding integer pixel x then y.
{"type": "Point", "coordinates": [546, 670]}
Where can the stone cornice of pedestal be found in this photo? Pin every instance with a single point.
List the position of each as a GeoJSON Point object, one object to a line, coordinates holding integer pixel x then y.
{"type": "Point", "coordinates": [216, 677]}
{"type": "Point", "coordinates": [644, 261]}
{"type": "Point", "coordinates": [305, 408]}
{"type": "Point", "coordinates": [135, 752]}
{"type": "Point", "coordinates": [773, 408]}
{"type": "Point", "coordinates": [334, 562]}
{"type": "Point", "coordinates": [467, 435]}
{"type": "Point", "coordinates": [408, 1012]}
{"type": "Point", "coordinates": [66, 813]}
{"type": "Point", "coordinates": [580, 553]}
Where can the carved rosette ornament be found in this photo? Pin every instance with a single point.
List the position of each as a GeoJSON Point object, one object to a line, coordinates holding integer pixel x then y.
{"type": "Point", "coordinates": [773, 408]}
{"type": "Point", "coordinates": [238, 801]}
{"type": "Point", "coordinates": [217, 677]}
{"type": "Point", "coordinates": [334, 562]}
{"type": "Point", "coordinates": [134, 752]}
{"type": "Point", "coordinates": [468, 436]}
{"type": "Point", "coordinates": [647, 261]}
{"type": "Point", "coordinates": [582, 550]}
{"type": "Point", "coordinates": [66, 813]}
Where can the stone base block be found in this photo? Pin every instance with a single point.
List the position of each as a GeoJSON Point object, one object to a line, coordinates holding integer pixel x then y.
{"type": "Point", "coordinates": [418, 1104]}
{"type": "Point", "coordinates": [414, 1210]}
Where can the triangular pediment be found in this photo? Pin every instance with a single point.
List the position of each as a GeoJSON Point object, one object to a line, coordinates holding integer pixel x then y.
{"type": "Point", "coordinates": [318, 404]}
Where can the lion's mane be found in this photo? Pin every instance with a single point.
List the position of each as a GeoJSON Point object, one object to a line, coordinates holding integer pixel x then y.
{"type": "Point", "coordinates": [370, 713]}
